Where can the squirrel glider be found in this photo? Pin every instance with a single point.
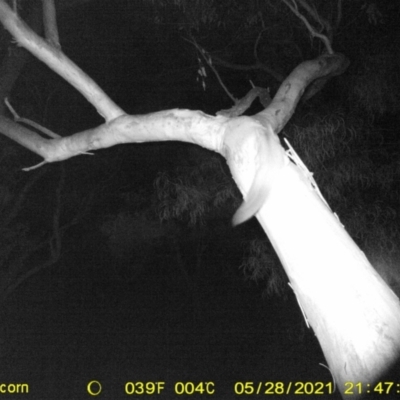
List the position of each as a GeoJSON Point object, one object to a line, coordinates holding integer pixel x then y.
{"type": "Point", "coordinates": [255, 158]}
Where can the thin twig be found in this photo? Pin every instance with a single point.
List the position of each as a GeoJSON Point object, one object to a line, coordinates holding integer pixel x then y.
{"type": "Point", "coordinates": [209, 63]}
{"type": "Point", "coordinates": [40, 128]}
{"type": "Point", "coordinates": [27, 121]}
{"type": "Point", "coordinates": [293, 6]}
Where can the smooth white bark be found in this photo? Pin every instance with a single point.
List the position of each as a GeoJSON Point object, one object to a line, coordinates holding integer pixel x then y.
{"type": "Point", "coordinates": [353, 313]}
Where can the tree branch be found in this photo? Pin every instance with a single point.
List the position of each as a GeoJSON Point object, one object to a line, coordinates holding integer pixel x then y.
{"type": "Point", "coordinates": [59, 62]}
{"type": "Point", "coordinates": [291, 90]}
{"type": "Point", "coordinates": [182, 125]}
{"type": "Point", "coordinates": [50, 23]}
{"type": "Point", "coordinates": [16, 57]}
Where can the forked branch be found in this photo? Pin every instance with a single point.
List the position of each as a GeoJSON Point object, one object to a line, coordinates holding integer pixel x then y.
{"type": "Point", "coordinates": [59, 62]}
{"type": "Point", "coordinates": [293, 7]}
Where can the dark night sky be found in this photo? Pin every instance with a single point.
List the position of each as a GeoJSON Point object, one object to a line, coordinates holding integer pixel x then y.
{"type": "Point", "coordinates": [140, 316]}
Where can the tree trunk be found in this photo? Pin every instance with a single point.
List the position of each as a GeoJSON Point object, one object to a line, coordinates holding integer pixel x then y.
{"type": "Point", "coordinates": [354, 314]}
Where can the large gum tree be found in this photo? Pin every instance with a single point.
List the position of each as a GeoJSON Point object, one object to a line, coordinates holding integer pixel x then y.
{"type": "Point", "coordinates": [354, 314]}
